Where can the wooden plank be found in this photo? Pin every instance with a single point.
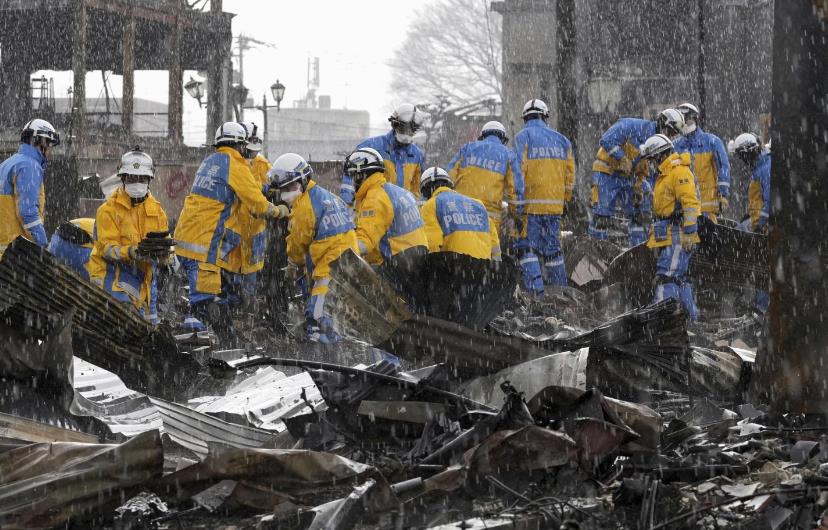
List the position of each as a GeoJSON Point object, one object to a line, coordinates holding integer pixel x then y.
{"type": "Point", "coordinates": [17, 428]}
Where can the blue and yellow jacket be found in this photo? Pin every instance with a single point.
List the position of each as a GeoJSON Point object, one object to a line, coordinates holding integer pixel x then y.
{"type": "Point", "coordinates": [456, 223]}
{"type": "Point", "coordinates": [548, 168]}
{"type": "Point", "coordinates": [483, 169]}
{"type": "Point", "coordinates": [253, 229]}
{"type": "Point", "coordinates": [119, 226]}
{"type": "Point", "coordinates": [22, 197]}
{"type": "Point", "coordinates": [403, 165]}
{"type": "Point", "coordinates": [759, 192]}
{"type": "Point", "coordinates": [73, 251]}
{"type": "Point", "coordinates": [710, 165]}
{"type": "Point", "coordinates": [620, 142]}
{"type": "Point", "coordinates": [224, 194]}
{"type": "Point", "coordinates": [320, 229]}
{"type": "Point", "coordinates": [387, 220]}
{"type": "Point", "coordinates": [675, 201]}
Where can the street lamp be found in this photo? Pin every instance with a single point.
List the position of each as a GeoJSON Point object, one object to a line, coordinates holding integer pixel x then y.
{"type": "Point", "coordinates": [278, 91]}
{"type": "Point", "coordinates": [195, 89]}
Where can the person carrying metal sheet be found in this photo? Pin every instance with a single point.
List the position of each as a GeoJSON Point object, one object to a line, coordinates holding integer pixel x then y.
{"type": "Point", "coordinates": [548, 167]}
{"type": "Point", "coordinates": [404, 161]}
{"type": "Point", "coordinates": [454, 222]}
{"type": "Point", "coordinates": [320, 229]}
{"type": "Point", "coordinates": [22, 195]}
{"type": "Point", "coordinates": [485, 169]}
{"type": "Point", "coordinates": [708, 161]}
{"type": "Point", "coordinates": [674, 231]}
{"type": "Point", "coordinates": [131, 238]}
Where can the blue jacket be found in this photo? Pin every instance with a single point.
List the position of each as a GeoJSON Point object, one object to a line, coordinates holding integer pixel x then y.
{"type": "Point", "coordinates": [548, 166]}
{"type": "Point", "coordinates": [483, 170]}
{"type": "Point", "coordinates": [403, 165]}
{"type": "Point", "coordinates": [759, 192]}
{"type": "Point", "coordinates": [710, 165]}
{"type": "Point", "coordinates": [22, 197]}
{"type": "Point", "coordinates": [632, 131]}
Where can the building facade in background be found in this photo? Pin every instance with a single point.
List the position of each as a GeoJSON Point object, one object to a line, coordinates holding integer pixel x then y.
{"type": "Point", "coordinates": [318, 134]}
{"type": "Point", "coordinates": [593, 64]}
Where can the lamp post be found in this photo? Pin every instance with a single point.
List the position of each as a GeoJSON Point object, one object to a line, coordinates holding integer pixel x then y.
{"type": "Point", "coordinates": [195, 89]}
{"type": "Point", "coordinates": [277, 90]}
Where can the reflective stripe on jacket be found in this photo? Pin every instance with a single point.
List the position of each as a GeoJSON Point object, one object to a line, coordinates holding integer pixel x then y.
{"type": "Point", "coordinates": [320, 229]}
{"type": "Point", "coordinates": [210, 223]}
{"type": "Point", "coordinates": [456, 223]}
{"type": "Point", "coordinates": [483, 170]}
{"type": "Point", "coordinates": [387, 220]}
{"type": "Point", "coordinates": [548, 167]}
{"type": "Point", "coordinates": [118, 226]}
{"type": "Point", "coordinates": [22, 197]}
{"type": "Point", "coordinates": [710, 165]}
{"type": "Point", "coordinates": [675, 201]}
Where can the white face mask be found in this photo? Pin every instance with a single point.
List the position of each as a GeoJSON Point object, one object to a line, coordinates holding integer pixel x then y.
{"type": "Point", "coordinates": [687, 129]}
{"type": "Point", "coordinates": [137, 190]}
{"type": "Point", "coordinates": [404, 139]}
{"type": "Point", "coordinates": [290, 196]}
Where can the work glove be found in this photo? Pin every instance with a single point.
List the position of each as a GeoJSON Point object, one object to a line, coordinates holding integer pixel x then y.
{"type": "Point", "coordinates": [279, 211]}
{"type": "Point", "coordinates": [155, 246]}
{"type": "Point", "coordinates": [625, 166]}
{"type": "Point", "coordinates": [688, 242]}
{"type": "Point", "coordinates": [520, 224]}
{"type": "Point", "coordinates": [723, 203]}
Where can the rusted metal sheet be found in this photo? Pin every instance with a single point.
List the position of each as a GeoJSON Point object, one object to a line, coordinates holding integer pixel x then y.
{"type": "Point", "coordinates": [105, 332]}
{"type": "Point", "coordinates": [50, 484]}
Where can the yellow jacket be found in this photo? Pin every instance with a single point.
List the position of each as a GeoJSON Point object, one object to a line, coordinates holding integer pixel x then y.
{"type": "Point", "coordinates": [320, 229]}
{"type": "Point", "coordinates": [675, 201]}
{"type": "Point", "coordinates": [548, 168]}
{"type": "Point", "coordinates": [118, 226]}
{"type": "Point", "coordinates": [254, 229]}
{"type": "Point", "coordinates": [456, 223]}
{"type": "Point", "coordinates": [212, 220]}
{"type": "Point", "coordinates": [387, 220]}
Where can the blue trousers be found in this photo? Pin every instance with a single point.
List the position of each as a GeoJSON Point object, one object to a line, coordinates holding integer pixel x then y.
{"type": "Point", "coordinates": [671, 275]}
{"type": "Point", "coordinates": [611, 192]}
{"type": "Point", "coordinates": [539, 252]}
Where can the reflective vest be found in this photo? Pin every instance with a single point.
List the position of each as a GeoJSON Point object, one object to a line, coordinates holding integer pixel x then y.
{"type": "Point", "coordinates": [548, 168]}
{"type": "Point", "coordinates": [456, 223]}
{"type": "Point", "coordinates": [675, 201]}
{"type": "Point", "coordinates": [22, 197]}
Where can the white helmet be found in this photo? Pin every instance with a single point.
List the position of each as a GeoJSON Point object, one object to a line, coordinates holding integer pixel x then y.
{"type": "Point", "coordinates": [655, 145]}
{"type": "Point", "coordinates": [254, 141]}
{"type": "Point", "coordinates": [38, 128]}
{"type": "Point", "coordinates": [407, 114]}
{"type": "Point", "coordinates": [136, 162]}
{"type": "Point", "coordinates": [231, 133]}
{"type": "Point", "coordinates": [289, 168]}
{"type": "Point", "coordinates": [671, 121]}
{"type": "Point", "coordinates": [744, 143]}
{"type": "Point", "coordinates": [433, 178]}
{"type": "Point", "coordinates": [689, 111]}
{"type": "Point", "coordinates": [535, 108]}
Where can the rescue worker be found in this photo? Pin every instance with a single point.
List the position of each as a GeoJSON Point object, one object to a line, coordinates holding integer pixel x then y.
{"type": "Point", "coordinates": [548, 167]}
{"type": "Point", "coordinates": [708, 161]}
{"type": "Point", "coordinates": [224, 196]}
{"type": "Point", "coordinates": [484, 169]}
{"type": "Point", "coordinates": [253, 229]}
{"type": "Point", "coordinates": [387, 219]}
{"type": "Point", "coordinates": [131, 238]}
{"type": "Point", "coordinates": [757, 158]}
{"type": "Point", "coordinates": [618, 176]}
{"type": "Point", "coordinates": [22, 196]}
{"type": "Point", "coordinates": [454, 222]}
{"type": "Point", "coordinates": [674, 232]}
{"type": "Point", "coordinates": [404, 161]}
{"type": "Point", "coordinates": [320, 229]}
{"type": "Point", "coordinates": [72, 244]}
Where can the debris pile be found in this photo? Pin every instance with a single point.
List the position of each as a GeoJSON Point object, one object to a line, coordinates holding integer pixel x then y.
{"type": "Point", "coordinates": [543, 413]}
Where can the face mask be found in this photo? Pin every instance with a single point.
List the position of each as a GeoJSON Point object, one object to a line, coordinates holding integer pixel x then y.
{"type": "Point", "coordinates": [687, 129]}
{"type": "Point", "coordinates": [404, 139]}
{"type": "Point", "coordinates": [137, 190]}
{"type": "Point", "coordinates": [290, 196]}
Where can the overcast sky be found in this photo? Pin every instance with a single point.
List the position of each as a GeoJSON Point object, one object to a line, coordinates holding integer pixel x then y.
{"type": "Point", "coordinates": [354, 41]}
